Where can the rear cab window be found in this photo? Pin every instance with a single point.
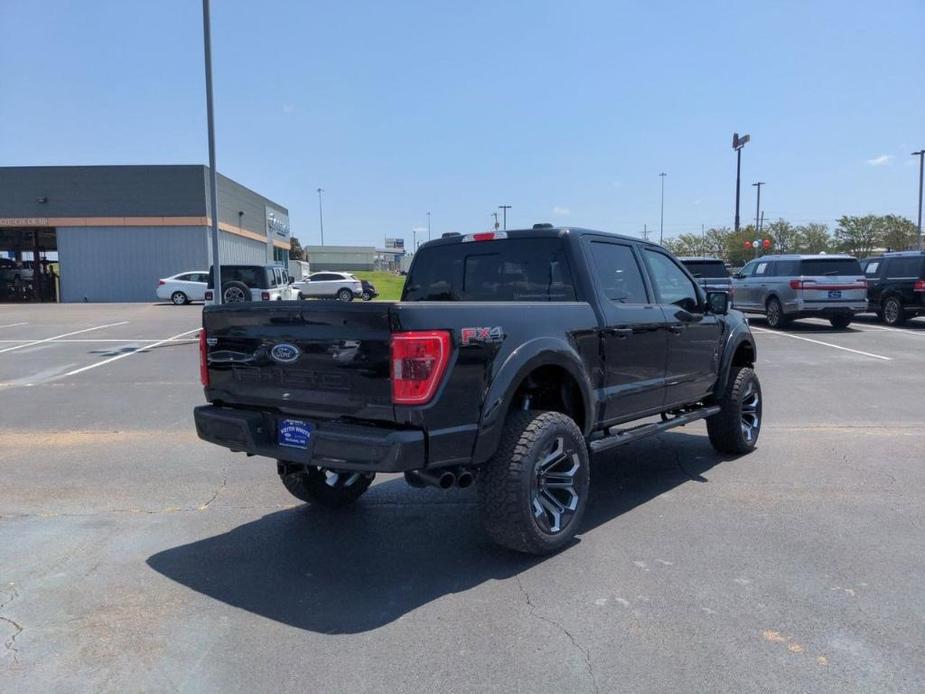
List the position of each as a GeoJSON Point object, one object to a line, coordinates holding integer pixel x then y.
{"type": "Point", "coordinates": [710, 269]}
{"type": "Point", "coordinates": [517, 269]}
{"type": "Point", "coordinates": [618, 273]}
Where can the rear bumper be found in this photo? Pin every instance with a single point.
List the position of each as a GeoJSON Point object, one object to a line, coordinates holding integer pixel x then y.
{"type": "Point", "coordinates": [334, 445]}
{"type": "Point", "coordinates": [804, 309]}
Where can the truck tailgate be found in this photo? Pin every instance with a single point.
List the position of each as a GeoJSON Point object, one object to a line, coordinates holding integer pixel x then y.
{"type": "Point", "coordinates": [318, 358]}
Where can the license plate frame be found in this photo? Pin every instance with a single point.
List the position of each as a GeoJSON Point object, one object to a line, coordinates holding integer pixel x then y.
{"type": "Point", "coordinates": [294, 433]}
{"type": "Point", "coordinates": [835, 293]}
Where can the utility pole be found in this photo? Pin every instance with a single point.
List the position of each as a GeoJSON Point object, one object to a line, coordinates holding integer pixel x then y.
{"type": "Point", "coordinates": [414, 239]}
{"type": "Point", "coordinates": [320, 215]}
{"type": "Point", "coordinates": [213, 177]}
{"type": "Point", "coordinates": [645, 233]}
{"type": "Point", "coordinates": [737, 144]}
{"type": "Point", "coordinates": [661, 224]}
{"type": "Point", "coordinates": [758, 206]}
{"type": "Point", "coordinates": [921, 155]}
{"type": "Point", "coordinates": [428, 226]}
{"type": "Point", "coordinates": [504, 209]}
{"type": "Point", "coordinates": [703, 241]}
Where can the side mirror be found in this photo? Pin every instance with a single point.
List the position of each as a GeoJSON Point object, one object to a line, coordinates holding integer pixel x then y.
{"type": "Point", "coordinates": [718, 302]}
{"type": "Point", "coordinates": [738, 276]}
{"type": "Point", "coordinates": [291, 279]}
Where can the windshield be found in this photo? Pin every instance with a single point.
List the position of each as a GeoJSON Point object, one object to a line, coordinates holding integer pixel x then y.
{"type": "Point", "coordinates": [830, 266]}
{"type": "Point", "coordinates": [706, 268]}
{"type": "Point", "coordinates": [509, 270]}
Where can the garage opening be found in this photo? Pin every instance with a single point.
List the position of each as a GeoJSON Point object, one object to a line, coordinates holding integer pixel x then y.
{"type": "Point", "coordinates": [29, 268]}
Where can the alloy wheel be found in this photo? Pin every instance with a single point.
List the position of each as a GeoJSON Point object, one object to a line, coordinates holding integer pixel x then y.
{"type": "Point", "coordinates": [233, 295]}
{"type": "Point", "coordinates": [340, 480]}
{"type": "Point", "coordinates": [891, 311]}
{"type": "Point", "coordinates": [555, 497]}
{"type": "Point", "coordinates": [751, 413]}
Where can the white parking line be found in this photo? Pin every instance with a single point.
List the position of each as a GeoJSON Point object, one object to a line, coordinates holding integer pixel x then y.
{"type": "Point", "coordinates": [175, 338]}
{"type": "Point", "coordinates": [12, 325]}
{"type": "Point", "coordinates": [826, 344]}
{"type": "Point", "coordinates": [78, 339]}
{"type": "Point", "coordinates": [58, 337]}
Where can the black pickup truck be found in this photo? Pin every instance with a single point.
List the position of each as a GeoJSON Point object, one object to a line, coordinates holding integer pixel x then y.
{"type": "Point", "coordinates": [511, 358]}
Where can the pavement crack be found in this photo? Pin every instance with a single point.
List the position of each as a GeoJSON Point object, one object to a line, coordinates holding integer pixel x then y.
{"type": "Point", "coordinates": [10, 643]}
{"type": "Point", "coordinates": [586, 654]}
{"type": "Point", "coordinates": [218, 490]}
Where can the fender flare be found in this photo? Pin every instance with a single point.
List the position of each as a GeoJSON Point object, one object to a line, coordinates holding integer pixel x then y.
{"type": "Point", "coordinates": [542, 351]}
{"type": "Point", "coordinates": [738, 336]}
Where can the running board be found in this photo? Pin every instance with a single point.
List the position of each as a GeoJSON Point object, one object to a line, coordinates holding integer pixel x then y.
{"type": "Point", "coordinates": [624, 436]}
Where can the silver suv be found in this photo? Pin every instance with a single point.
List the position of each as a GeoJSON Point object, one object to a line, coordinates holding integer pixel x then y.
{"type": "Point", "coordinates": [784, 287]}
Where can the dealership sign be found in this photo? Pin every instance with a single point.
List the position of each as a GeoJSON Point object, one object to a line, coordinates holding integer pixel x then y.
{"type": "Point", "coordinates": [394, 244]}
{"type": "Point", "coordinates": [277, 225]}
{"type": "Point", "coordinates": [23, 221]}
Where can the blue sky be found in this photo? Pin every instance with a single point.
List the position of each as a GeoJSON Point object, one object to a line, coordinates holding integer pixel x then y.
{"type": "Point", "coordinates": [567, 111]}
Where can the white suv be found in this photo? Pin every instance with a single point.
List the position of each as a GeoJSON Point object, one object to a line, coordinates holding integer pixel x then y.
{"type": "Point", "coordinates": [329, 285]}
{"type": "Point", "coordinates": [252, 283]}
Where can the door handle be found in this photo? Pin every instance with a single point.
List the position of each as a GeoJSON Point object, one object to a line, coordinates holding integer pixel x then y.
{"type": "Point", "coordinates": [621, 333]}
{"type": "Point", "coordinates": [676, 328]}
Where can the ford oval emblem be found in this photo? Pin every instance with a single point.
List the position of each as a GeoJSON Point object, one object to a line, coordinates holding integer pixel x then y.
{"type": "Point", "coordinates": [285, 353]}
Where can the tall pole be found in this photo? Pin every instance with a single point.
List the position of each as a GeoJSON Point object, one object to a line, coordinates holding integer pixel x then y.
{"type": "Point", "coordinates": [213, 177]}
{"type": "Point", "coordinates": [504, 209]}
{"type": "Point", "coordinates": [495, 215]}
{"type": "Point", "coordinates": [738, 183]}
{"type": "Point", "coordinates": [921, 155]}
{"type": "Point", "coordinates": [758, 206]}
{"type": "Point", "coordinates": [428, 226]}
{"type": "Point", "coordinates": [661, 223]}
{"type": "Point", "coordinates": [320, 215]}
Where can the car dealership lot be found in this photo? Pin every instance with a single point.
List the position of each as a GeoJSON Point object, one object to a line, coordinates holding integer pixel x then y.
{"type": "Point", "coordinates": [135, 557]}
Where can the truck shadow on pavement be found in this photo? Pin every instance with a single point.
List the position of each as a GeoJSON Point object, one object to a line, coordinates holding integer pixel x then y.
{"type": "Point", "coordinates": [399, 548]}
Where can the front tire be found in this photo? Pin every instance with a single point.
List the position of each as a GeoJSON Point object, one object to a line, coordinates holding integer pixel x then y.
{"type": "Point", "coordinates": [179, 299]}
{"type": "Point", "coordinates": [775, 314]}
{"type": "Point", "coordinates": [327, 488]}
{"type": "Point", "coordinates": [534, 491]}
{"type": "Point", "coordinates": [345, 295]}
{"type": "Point", "coordinates": [840, 322]}
{"type": "Point", "coordinates": [367, 296]}
{"type": "Point", "coordinates": [735, 428]}
{"type": "Point", "coordinates": [893, 313]}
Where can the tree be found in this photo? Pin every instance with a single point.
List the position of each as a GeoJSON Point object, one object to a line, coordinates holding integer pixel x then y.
{"type": "Point", "coordinates": [737, 253]}
{"type": "Point", "coordinates": [897, 233]}
{"type": "Point", "coordinates": [785, 238]}
{"type": "Point", "coordinates": [296, 252]}
{"type": "Point", "coordinates": [715, 240]}
{"type": "Point", "coordinates": [858, 235]}
{"type": "Point", "coordinates": [814, 238]}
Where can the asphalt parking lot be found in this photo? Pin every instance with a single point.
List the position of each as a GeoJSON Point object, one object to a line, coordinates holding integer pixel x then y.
{"type": "Point", "coordinates": [134, 557]}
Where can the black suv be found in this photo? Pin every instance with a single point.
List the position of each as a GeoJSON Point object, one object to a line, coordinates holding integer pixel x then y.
{"type": "Point", "coordinates": [896, 285]}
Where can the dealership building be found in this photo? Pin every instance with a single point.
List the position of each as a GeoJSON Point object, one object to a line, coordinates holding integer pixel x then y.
{"type": "Point", "coordinates": [113, 231]}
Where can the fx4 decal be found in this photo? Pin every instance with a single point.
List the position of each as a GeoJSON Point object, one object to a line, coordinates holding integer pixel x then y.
{"type": "Point", "coordinates": [471, 336]}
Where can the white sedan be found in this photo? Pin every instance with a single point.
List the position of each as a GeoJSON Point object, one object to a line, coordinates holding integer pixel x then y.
{"type": "Point", "coordinates": [329, 285]}
{"type": "Point", "coordinates": [183, 288]}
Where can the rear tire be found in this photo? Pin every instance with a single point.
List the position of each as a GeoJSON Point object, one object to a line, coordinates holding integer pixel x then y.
{"type": "Point", "coordinates": [775, 314]}
{"type": "Point", "coordinates": [534, 491]}
{"type": "Point", "coordinates": [840, 322]}
{"type": "Point", "coordinates": [736, 427]}
{"type": "Point", "coordinates": [235, 292]}
{"type": "Point", "coordinates": [367, 296]}
{"type": "Point", "coordinates": [327, 488]}
{"type": "Point", "coordinates": [179, 299]}
{"type": "Point", "coordinates": [893, 313]}
{"type": "Point", "coordinates": [345, 295]}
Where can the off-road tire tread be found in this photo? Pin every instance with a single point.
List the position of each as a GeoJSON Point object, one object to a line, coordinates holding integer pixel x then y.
{"type": "Point", "coordinates": [724, 428]}
{"type": "Point", "coordinates": [308, 486]}
{"type": "Point", "coordinates": [503, 510]}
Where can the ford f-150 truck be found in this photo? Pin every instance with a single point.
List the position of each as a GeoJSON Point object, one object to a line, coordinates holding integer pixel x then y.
{"type": "Point", "coordinates": [511, 359]}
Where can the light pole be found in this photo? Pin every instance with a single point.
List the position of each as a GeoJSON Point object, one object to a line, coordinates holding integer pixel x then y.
{"type": "Point", "coordinates": [737, 144]}
{"type": "Point", "coordinates": [921, 155]}
{"type": "Point", "coordinates": [414, 239]}
{"type": "Point", "coordinates": [661, 223]}
{"type": "Point", "coordinates": [213, 178]}
{"type": "Point", "coordinates": [495, 215]}
{"type": "Point", "coordinates": [428, 226]}
{"type": "Point", "coordinates": [320, 215]}
{"type": "Point", "coordinates": [504, 209]}
{"type": "Point", "coordinates": [758, 206]}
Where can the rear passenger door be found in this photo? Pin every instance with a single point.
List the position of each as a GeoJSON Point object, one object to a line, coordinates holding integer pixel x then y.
{"type": "Point", "coordinates": [694, 334]}
{"type": "Point", "coordinates": [634, 337]}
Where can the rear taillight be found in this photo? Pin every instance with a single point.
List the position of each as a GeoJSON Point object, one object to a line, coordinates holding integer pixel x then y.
{"type": "Point", "coordinates": [919, 286]}
{"type": "Point", "coordinates": [796, 284]}
{"type": "Point", "coordinates": [419, 360]}
{"type": "Point", "coordinates": [161, 283]}
{"type": "Point", "coordinates": [208, 296]}
{"type": "Point", "coordinates": [265, 296]}
{"type": "Point", "coordinates": [203, 359]}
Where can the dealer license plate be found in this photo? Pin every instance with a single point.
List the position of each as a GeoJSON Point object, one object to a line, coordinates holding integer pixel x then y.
{"type": "Point", "coordinates": [835, 293]}
{"type": "Point", "coordinates": [294, 433]}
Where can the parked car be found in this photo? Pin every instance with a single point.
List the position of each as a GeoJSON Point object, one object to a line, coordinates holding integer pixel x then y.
{"type": "Point", "coordinates": [183, 288]}
{"type": "Point", "coordinates": [242, 283]}
{"type": "Point", "coordinates": [329, 285]}
{"type": "Point", "coordinates": [785, 287]}
{"type": "Point", "coordinates": [369, 290]}
{"type": "Point", "coordinates": [896, 286]}
{"type": "Point", "coordinates": [511, 358]}
{"type": "Point", "coordinates": [710, 273]}
{"type": "Point", "coordinates": [16, 272]}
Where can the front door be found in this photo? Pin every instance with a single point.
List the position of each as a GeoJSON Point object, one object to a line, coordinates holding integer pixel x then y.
{"type": "Point", "coordinates": [634, 337]}
{"type": "Point", "coordinates": [743, 291]}
{"type": "Point", "coordinates": [694, 334]}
